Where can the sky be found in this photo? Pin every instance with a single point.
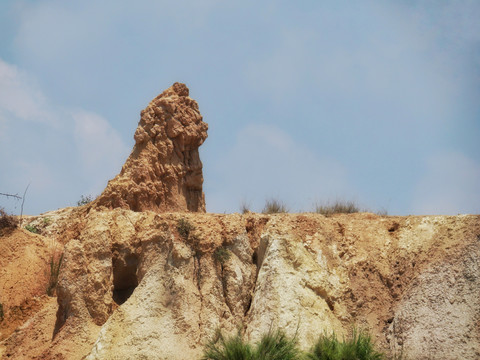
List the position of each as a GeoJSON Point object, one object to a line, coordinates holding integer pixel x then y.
{"type": "Point", "coordinates": [307, 102]}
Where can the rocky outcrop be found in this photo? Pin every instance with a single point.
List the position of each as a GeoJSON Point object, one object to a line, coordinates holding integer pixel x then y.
{"type": "Point", "coordinates": [149, 285]}
{"type": "Point", "coordinates": [164, 171]}
{"type": "Point", "coordinates": [440, 312]}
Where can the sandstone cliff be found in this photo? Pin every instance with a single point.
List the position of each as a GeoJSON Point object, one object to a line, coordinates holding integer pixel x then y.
{"type": "Point", "coordinates": [164, 171]}
{"type": "Point", "coordinates": [137, 285]}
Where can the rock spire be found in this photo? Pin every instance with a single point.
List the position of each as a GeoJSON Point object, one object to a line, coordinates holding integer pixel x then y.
{"type": "Point", "coordinates": [164, 172]}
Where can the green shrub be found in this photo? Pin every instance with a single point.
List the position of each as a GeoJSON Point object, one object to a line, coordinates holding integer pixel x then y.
{"type": "Point", "coordinates": [232, 348]}
{"type": "Point", "coordinates": [184, 228]}
{"type": "Point", "coordinates": [358, 346]}
{"type": "Point", "coordinates": [32, 229]}
{"type": "Point", "coordinates": [277, 346]}
{"type": "Point", "coordinates": [274, 206]}
{"type": "Point", "coordinates": [272, 346]}
{"type": "Point", "coordinates": [338, 207]}
{"type": "Point", "coordinates": [84, 200]}
{"type": "Point", "coordinates": [55, 265]}
{"type": "Point", "coordinates": [221, 255]}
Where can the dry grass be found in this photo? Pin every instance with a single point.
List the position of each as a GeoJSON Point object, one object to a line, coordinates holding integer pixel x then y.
{"type": "Point", "coordinates": [7, 221]}
{"type": "Point", "coordinates": [185, 228]}
{"type": "Point", "coordinates": [244, 207]}
{"type": "Point", "coordinates": [338, 207]}
{"type": "Point", "coordinates": [274, 206]}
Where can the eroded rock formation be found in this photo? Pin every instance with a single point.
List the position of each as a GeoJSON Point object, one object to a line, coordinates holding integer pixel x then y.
{"type": "Point", "coordinates": [164, 171]}
{"type": "Point", "coordinates": [137, 285]}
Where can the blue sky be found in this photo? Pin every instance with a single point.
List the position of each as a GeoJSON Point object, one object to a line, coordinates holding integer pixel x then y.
{"type": "Point", "coordinates": [307, 102]}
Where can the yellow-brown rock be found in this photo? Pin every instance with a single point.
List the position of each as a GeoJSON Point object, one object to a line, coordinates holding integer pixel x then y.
{"type": "Point", "coordinates": [164, 171]}
{"type": "Point", "coordinates": [134, 286]}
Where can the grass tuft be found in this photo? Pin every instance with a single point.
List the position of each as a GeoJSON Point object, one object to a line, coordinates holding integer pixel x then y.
{"type": "Point", "coordinates": [274, 206]}
{"type": "Point", "coordinates": [232, 348]}
{"type": "Point", "coordinates": [55, 265]}
{"type": "Point", "coordinates": [184, 228]}
{"type": "Point", "coordinates": [244, 207]}
{"type": "Point", "coordinates": [277, 346]}
{"type": "Point", "coordinates": [272, 346]}
{"type": "Point", "coordinates": [221, 254]}
{"type": "Point", "coordinates": [338, 207]}
{"type": "Point", "coordinates": [358, 346]}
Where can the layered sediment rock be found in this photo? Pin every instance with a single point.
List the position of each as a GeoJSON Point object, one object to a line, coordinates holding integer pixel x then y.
{"type": "Point", "coordinates": [138, 285]}
{"type": "Point", "coordinates": [164, 171]}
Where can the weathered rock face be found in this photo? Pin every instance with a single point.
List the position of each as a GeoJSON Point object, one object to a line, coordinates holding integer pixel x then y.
{"type": "Point", "coordinates": [432, 315]}
{"type": "Point", "coordinates": [164, 171]}
{"type": "Point", "coordinates": [145, 285]}
{"type": "Point", "coordinates": [21, 251]}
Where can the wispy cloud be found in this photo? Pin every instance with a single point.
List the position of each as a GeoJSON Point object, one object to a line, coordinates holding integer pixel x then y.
{"type": "Point", "coordinates": [20, 97]}
{"type": "Point", "coordinates": [58, 150]}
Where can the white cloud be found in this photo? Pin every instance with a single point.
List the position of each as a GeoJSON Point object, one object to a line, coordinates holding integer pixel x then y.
{"type": "Point", "coordinates": [60, 151]}
{"type": "Point", "coordinates": [20, 98]}
{"type": "Point", "coordinates": [266, 162]}
{"type": "Point", "coordinates": [450, 185]}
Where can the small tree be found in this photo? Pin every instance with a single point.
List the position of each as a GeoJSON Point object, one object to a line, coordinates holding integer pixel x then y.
{"type": "Point", "coordinates": [84, 200]}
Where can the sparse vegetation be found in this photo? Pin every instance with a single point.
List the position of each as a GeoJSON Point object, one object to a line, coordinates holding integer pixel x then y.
{"type": "Point", "coordinates": [232, 348]}
{"type": "Point", "coordinates": [272, 346]}
{"type": "Point", "coordinates": [46, 221]}
{"type": "Point", "coordinates": [2, 315]}
{"type": "Point", "coordinates": [32, 229]}
{"type": "Point", "coordinates": [185, 228]}
{"type": "Point", "coordinates": [382, 212]}
{"type": "Point", "coordinates": [221, 255]}
{"type": "Point", "coordinates": [358, 346]}
{"type": "Point", "coordinates": [276, 345]}
{"type": "Point", "coordinates": [274, 206]}
{"type": "Point", "coordinates": [55, 265]}
{"type": "Point", "coordinates": [338, 207]}
{"type": "Point", "coordinates": [244, 207]}
{"type": "Point", "coordinates": [7, 221]}
{"type": "Point", "coordinates": [84, 200]}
